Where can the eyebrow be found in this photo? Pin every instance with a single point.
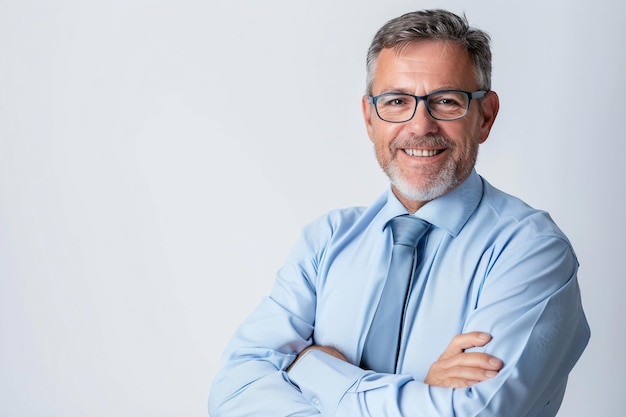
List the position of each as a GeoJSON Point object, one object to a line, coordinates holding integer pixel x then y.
{"type": "Point", "coordinates": [405, 91]}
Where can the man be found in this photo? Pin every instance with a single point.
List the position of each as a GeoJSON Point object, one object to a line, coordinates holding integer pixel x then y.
{"type": "Point", "coordinates": [488, 321]}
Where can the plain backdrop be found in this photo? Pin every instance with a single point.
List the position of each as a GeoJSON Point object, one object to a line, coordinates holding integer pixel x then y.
{"type": "Point", "coordinates": [158, 159]}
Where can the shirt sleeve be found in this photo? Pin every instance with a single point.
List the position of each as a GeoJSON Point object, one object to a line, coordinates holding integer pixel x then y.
{"type": "Point", "coordinates": [252, 380]}
{"type": "Point", "coordinates": [528, 300]}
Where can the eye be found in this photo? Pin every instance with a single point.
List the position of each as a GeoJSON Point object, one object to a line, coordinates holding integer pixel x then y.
{"type": "Point", "coordinates": [448, 105]}
{"type": "Point", "coordinates": [445, 100]}
{"type": "Point", "coordinates": [393, 100]}
{"type": "Point", "coordinates": [448, 101]}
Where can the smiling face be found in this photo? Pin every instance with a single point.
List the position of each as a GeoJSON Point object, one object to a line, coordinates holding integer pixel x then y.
{"type": "Point", "coordinates": [425, 158]}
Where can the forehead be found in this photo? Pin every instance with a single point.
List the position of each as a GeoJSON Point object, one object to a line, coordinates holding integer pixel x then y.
{"type": "Point", "coordinates": [424, 67]}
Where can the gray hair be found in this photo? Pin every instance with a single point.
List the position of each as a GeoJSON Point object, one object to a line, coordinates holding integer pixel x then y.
{"type": "Point", "coordinates": [433, 25]}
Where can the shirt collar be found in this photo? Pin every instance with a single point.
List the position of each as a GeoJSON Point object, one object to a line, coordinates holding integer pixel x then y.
{"type": "Point", "coordinates": [449, 212]}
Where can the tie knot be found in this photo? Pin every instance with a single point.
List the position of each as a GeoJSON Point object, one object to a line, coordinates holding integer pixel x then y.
{"type": "Point", "coordinates": [407, 230]}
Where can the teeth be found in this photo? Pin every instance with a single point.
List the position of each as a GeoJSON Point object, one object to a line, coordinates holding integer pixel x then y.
{"type": "Point", "coordinates": [422, 152]}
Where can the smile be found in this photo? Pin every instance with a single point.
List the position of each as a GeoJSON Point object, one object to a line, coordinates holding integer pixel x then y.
{"type": "Point", "coordinates": [423, 152]}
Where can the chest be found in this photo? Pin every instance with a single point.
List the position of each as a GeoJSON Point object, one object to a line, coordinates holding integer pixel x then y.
{"type": "Point", "coordinates": [444, 290]}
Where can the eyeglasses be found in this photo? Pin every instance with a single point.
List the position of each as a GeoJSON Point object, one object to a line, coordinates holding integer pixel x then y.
{"type": "Point", "coordinates": [441, 105]}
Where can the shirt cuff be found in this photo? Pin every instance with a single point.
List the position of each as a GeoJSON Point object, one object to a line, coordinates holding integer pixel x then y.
{"type": "Point", "coordinates": [324, 379]}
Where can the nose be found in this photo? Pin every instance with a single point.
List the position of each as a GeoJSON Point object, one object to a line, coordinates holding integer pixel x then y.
{"type": "Point", "coordinates": [422, 122]}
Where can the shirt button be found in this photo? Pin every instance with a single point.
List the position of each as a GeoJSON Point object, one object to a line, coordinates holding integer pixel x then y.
{"type": "Point", "coordinates": [315, 402]}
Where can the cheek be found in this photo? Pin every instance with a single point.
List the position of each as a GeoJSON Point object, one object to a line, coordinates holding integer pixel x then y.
{"type": "Point", "coordinates": [382, 138]}
{"type": "Point", "coordinates": [380, 135]}
{"type": "Point", "coordinates": [467, 137]}
{"type": "Point", "coordinates": [387, 132]}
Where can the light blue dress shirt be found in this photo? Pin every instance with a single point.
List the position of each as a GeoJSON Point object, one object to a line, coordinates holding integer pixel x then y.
{"type": "Point", "coordinates": [491, 263]}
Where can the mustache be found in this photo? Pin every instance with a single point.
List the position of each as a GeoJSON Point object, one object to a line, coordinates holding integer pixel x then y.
{"type": "Point", "coordinates": [431, 141]}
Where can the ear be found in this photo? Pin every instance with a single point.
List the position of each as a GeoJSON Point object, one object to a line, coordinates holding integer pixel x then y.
{"type": "Point", "coordinates": [367, 108]}
{"type": "Point", "coordinates": [491, 105]}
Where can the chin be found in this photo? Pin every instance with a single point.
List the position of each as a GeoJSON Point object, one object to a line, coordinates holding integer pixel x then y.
{"type": "Point", "coordinates": [422, 194]}
{"type": "Point", "coordinates": [436, 185]}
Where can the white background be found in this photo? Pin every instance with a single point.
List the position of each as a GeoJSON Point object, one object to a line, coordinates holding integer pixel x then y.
{"type": "Point", "coordinates": [143, 142]}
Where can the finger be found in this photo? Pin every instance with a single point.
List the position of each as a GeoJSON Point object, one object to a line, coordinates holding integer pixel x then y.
{"type": "Point", "coordinates": [332, 351]}
{"type": "Point", "coordinates": [469, 373]}
{"type": "Point", "coordinates": [458, 377]}
{"type": "Point", "coordinates": [464, 341]}
{"type": "Point", "coordinates": [473, 366]}
{"type": "Point", "coordinates": [456, 383]}
{"type": "Point", "coordinates": [474, 360]}
{"type": "Point", "coordinates": [458, 373]}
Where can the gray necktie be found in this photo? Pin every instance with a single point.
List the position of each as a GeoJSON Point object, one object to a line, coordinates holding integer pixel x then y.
{"type": "Point", "coordinates": [380, 352]}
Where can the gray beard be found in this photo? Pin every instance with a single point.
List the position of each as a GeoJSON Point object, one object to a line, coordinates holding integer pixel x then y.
{"type": "Point", "coordinates": [440, 183]}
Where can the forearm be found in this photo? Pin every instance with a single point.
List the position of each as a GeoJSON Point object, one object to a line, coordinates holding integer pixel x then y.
{"type": "Point", "coordinates": [539, 349]}
{"type": "Point", "coordinates": [337, 388]}
{"type": "Point", "coordinates": [252, 380]}
{"type": "Point", "coordinates": [270, 395]}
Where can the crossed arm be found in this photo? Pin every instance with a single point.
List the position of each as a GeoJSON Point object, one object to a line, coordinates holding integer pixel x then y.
{"type": "Point", "coordinates": [455, 368]}
{"type": "Point", "coordinates": [276, 394]}
{"type": "Point", "coordinates": [532, 309]}
{"type": "Point", "coordinates": [539, 357]}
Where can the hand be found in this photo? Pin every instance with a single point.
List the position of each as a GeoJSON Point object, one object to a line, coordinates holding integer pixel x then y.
{"type": "Point", "coordinates": [457, 369]}
{"type": "Point", "coordinates": [330, 350]}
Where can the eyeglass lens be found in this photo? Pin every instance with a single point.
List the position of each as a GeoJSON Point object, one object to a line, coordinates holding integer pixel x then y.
{"type": "Point", "coordinates": [446, 105]}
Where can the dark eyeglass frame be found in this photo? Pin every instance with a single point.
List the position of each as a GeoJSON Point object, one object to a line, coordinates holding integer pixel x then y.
{"type": "Point", "coordinates": [470, 95]}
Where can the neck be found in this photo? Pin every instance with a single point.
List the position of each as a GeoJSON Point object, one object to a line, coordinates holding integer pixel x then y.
{"type": "Point", "coordinates": [411, 205]}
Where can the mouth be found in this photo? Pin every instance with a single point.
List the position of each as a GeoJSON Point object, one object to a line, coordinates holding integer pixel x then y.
{"type": "Point", "coordinates": [422, 152]}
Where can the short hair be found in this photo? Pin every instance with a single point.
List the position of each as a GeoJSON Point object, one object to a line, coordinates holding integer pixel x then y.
{"type": "Point", "coordinates": [436, 24]}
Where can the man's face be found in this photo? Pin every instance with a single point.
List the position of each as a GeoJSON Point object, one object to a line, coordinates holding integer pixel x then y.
{"type": "Point", "coordinates": [424, 157]}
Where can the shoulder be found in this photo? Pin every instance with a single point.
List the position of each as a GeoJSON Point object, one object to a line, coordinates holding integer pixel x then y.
{"type": "Point", "coordinates": [322, 233]}
{"type": "Point", "coordinates": [348, 220]}
{"type": "Point", "coordinates": [516, 233]}
{"type": "Point", "coordinates": [523, 249]}
{"type": "Point", "coordinates": [512, 213]}
{"type": "Point", "coordinates": [334, 222]}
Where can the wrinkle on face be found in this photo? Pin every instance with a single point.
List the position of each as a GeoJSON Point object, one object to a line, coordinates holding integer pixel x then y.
{"type": "Point", "coordinates": [421, 68]}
